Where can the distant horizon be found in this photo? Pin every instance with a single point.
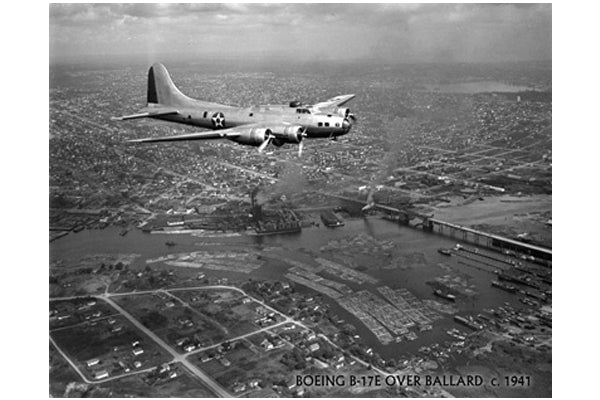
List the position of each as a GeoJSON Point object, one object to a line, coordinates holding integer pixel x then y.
{"type": "Point", "coordinates": [177, 59]}
{"type": "Point", "coordinates": [284, 33]}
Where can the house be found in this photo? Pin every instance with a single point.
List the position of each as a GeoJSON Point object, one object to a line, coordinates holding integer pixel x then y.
{"type": "Point", "coordinates": [291, 383]}
{"type": "Point", "coordinates": [238, 387]}
{"type": "Point", "coordinates": [254, 383]}
{"type": "Point", "coordinates": [189, 347]}
{"type": "Point", "coordinates": [314, 347]}
{"type": "Point", "coordinates": [124, 366]}
{"type": "Point", "coordinates": [260, 310]}
{"type": "Point", "coordinates": [164, 368]}
{"type": "Point", "coordinates": [137, 351]}
{"type": "Point", "coordinates": [92, 362]}
{"type": "Point", "coordinates": [266, 344]}
{"type": "Point", "coordinates": [137, 364]}
{"type": "Point", "coordinates": [101, 374]}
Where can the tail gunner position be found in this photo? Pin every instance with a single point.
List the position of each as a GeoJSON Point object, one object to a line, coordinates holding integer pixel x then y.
{"type": "Point", "coordinates": [253, 126]}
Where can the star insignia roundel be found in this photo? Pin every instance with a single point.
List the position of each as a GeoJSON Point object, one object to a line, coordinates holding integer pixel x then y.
{"type": "Point", "coordinates": [218, 120]}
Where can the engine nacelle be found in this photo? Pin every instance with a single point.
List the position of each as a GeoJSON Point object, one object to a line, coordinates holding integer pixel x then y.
{"type": "Point", "coordinates": [253, 136]}
{"type": "Point", "coordinates": [343, 112]}
{"type": "Point", "coordinates": [288, 134]}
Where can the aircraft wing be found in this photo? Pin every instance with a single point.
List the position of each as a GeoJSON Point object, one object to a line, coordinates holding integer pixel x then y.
{"type": "Point", "coordinates": [222, 134]}
{"type": "Point", "coordinates": [336, 101]}
{"type": "Point", "coordinates": [149, 114]}
{"type": "Point", "coordinates": [208, 135]}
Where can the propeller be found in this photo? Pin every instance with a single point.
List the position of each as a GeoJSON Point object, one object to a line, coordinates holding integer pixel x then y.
{"type": "Point", "coordinates": [264, 144]}
{"type": "Point", "coordinates": [349, 115]}
{"type": "Point", "coordinates": [301, 142]}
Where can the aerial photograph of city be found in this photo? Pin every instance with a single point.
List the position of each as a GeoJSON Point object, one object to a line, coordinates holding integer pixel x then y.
{"type": "Point", "coordinates": [300, 200]}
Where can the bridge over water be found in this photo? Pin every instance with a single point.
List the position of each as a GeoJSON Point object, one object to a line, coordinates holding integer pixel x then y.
{"type": "Point", "coordinates": [463, 233]}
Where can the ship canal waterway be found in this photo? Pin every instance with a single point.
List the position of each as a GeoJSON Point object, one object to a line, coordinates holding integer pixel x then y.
{"type": "Point", "coordinates": [410, 260]}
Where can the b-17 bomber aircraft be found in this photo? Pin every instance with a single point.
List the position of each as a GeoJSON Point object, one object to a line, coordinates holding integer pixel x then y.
{"type": "Point", "coordinates": [252, 126]}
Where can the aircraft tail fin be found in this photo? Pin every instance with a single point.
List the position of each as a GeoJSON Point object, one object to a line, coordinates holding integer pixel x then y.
{"type": "Point", "coordinates": [162, 90]}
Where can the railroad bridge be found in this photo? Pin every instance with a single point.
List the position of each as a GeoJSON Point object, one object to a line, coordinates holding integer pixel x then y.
{"type": "Point", "coordinates": [485, 239]}
{"type": "Point", "coordinates": [466, 234]}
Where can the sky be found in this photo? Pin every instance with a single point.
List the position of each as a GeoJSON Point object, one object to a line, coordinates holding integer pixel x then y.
{"type": "Point", "coordinates": [388, 32]}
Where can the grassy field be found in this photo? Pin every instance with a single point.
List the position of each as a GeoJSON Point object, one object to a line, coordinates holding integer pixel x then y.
{"type": "Point", "coordinates": [170, 320]}
{"type": "Point", "coordinates": [110, 340]}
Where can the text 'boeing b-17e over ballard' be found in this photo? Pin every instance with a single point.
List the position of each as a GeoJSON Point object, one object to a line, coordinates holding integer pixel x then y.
{"type": "Point", "coordinates": [253, 126]}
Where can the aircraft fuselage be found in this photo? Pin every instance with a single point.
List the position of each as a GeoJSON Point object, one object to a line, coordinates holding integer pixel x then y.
{"type": "Point", "coordinates": [216, 116]}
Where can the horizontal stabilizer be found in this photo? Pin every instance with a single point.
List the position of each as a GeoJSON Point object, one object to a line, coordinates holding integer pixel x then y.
{"type": "Point", "coordinates": [150, 114]}
{"type": "Point", "coordinates": [337, 101]}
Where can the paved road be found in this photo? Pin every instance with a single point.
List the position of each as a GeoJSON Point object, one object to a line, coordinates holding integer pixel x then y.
{"type": "Point", "coordinates": [62, 353]}
{"type": "Point", "coordinates": [84, 322]}
{"type": "Point", "coordinates": [198, 313]}
{"type": "Point", "coordinates": [86, 380]}
{"type": "Point", "coordinates": [214, 386]}
{"type": "Point", "coordinates": [183, 357]}
{"type": "Point", "coordinates": [245, 335]}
